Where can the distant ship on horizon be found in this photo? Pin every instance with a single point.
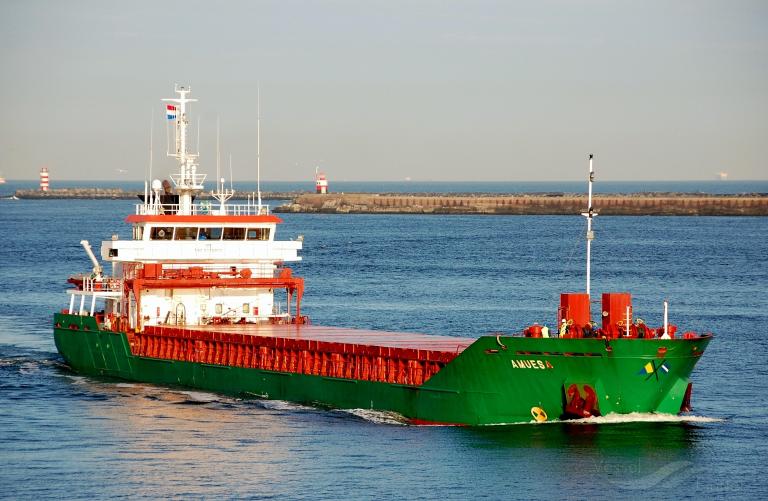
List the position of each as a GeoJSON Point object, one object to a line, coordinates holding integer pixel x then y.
{"type": "Point", "coordinates": [722, 176]}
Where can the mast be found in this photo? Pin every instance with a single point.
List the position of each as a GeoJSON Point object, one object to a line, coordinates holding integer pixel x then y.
{"type": "Point", "coordinates": [218, 153]}
{"type": "Point", "coordinates": [188, 182]}
{"type": "Point", "coordinates": [149, 178]}
{"type": "Point", "coordinates": [589, 215]}
{"type": "Point", "coordinates": [258, 147]}
{"type": "Point", "coordinates": [221, 194]}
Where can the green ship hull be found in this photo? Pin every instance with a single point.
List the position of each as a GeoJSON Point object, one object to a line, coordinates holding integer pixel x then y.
{"type": "Point", "coordinates": [496, 380]}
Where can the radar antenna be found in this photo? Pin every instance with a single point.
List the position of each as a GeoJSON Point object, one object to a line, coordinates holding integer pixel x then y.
{"type": "Point", "coordinates": [589, 215]}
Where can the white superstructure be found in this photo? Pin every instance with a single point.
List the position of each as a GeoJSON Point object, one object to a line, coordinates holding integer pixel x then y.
{"type": "Point", "coordinates": [195, 262]}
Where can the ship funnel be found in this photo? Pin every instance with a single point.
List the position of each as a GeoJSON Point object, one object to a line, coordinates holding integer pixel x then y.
{"type": "Point", "coordinates": [97, 269]}
{"type": "Point", "coordinates": [574, 310]}
{"type": "Point", "coordinates": [617, 308]}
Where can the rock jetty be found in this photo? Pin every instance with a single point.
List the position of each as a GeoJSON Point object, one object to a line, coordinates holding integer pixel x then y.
{"type": "Point", "coordinates": [118, 193]}
{"type": "Point", "coordinates": [637, 204]}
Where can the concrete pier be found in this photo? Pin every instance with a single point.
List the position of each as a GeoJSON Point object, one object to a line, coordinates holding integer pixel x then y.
{"type": "Point", "coordinates": [120, 194]}
{"type": "Point", "coordinates": [634, 204]}
{"type": "Point", "coordinates": [656, 204]}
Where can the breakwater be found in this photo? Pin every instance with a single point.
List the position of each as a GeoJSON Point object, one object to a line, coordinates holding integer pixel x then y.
{"type": "Point", "coordinates": [638, 204]}
{"type": "Point", "coordinates": [120, 194]}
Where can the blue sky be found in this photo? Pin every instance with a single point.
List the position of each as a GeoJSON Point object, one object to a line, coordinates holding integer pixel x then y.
{"type": "Point", "coordinates": [657, 90]}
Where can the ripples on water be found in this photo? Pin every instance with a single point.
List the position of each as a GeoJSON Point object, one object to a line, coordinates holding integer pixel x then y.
{"type": "Point", "coordinates": [62, 435]}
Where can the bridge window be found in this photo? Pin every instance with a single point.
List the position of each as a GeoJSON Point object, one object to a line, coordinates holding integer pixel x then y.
{"type": "Point", "coordinates": [161, 233]}
{"type": "Point", "coordinates": [184, 233]}
{"type": "Point", "coordinates": [210, 234]}
{"type": "Point", "coordinates": [258, 233]}
{"type": "Point", "coordinates": [234, 233]}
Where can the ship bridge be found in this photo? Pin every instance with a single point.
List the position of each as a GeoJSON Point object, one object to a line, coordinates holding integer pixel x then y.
{"type": "Point", "coordinates": [192, 260]}
{"type": "Point", "coordinates": [239, 235]}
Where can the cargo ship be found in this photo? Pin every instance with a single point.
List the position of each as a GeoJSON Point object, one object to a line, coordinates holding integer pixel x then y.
{"type": "Point", "coordinates": [201, 297]}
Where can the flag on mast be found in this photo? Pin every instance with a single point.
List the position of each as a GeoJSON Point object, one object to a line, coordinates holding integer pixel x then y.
{"type": "Point", "coordinates": [170, 111]}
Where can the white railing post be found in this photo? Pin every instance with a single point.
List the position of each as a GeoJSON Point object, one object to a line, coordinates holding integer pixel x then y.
{"type": "Point", "coordinates": [627, 321]}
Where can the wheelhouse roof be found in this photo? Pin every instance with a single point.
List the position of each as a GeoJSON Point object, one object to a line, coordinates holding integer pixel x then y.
{"type": "Point", "coordinates": [173, 218]}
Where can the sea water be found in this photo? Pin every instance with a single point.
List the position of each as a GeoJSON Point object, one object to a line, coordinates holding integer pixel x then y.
{"type": "Point", "coordinates": [64, 435]}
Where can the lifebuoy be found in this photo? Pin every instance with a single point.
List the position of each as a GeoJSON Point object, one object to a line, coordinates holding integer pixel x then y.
{"type": "Point", "coordinates": [538, 414]}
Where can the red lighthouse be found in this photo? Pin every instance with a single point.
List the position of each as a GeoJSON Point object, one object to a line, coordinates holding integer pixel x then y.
{"type": "Point", "coordinates": [44, 182]}
{"type": "Point", "coordinates": [321, 182]}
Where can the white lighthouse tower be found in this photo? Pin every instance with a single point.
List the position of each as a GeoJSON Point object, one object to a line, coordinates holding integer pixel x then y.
{"type": "Point", "coordinates": [321, 182]}
{"type": "Point", "coordinates": [44, 181]}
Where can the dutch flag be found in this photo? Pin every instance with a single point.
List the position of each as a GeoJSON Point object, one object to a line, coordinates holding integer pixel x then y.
{"type": "Point", "coordinates": [170, 111]}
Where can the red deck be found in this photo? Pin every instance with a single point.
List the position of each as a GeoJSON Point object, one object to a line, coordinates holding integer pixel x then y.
{"type": "Point", "coordinates": [363, 337]}
{"type": "Point", "coordinates": [393, 357]}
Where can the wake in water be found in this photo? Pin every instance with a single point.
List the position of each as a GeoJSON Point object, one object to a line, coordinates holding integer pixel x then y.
{"type": "Point", "coordinates": [377, 417]}
{"type": "Point", "coordinates": [632, 417]}
{"type": "Point", "coordinates": [24, 362]}
{"type": "Point", "coordinates": [645, 417]}
{"type": "Point", "coordinates": [393, 418]}
{"type": "Point", "coordinates": [26, 366]}
{"type": "Point", "coordinates": [282, 405]}
{"type": "Point", "coordinates": [200, 397]}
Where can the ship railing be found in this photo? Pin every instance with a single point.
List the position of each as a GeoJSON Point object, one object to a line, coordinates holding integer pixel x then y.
{"type": "Point", "coordinates": [204, 208]}
{"type": "Point", "coordinates": [193, 181]}
{"type": "Point", "coordinates": [258, 270]}
{"type": "Point", "coordinates": [105, 288]}
{"type": "Point", "coordinates": [91, 284]}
